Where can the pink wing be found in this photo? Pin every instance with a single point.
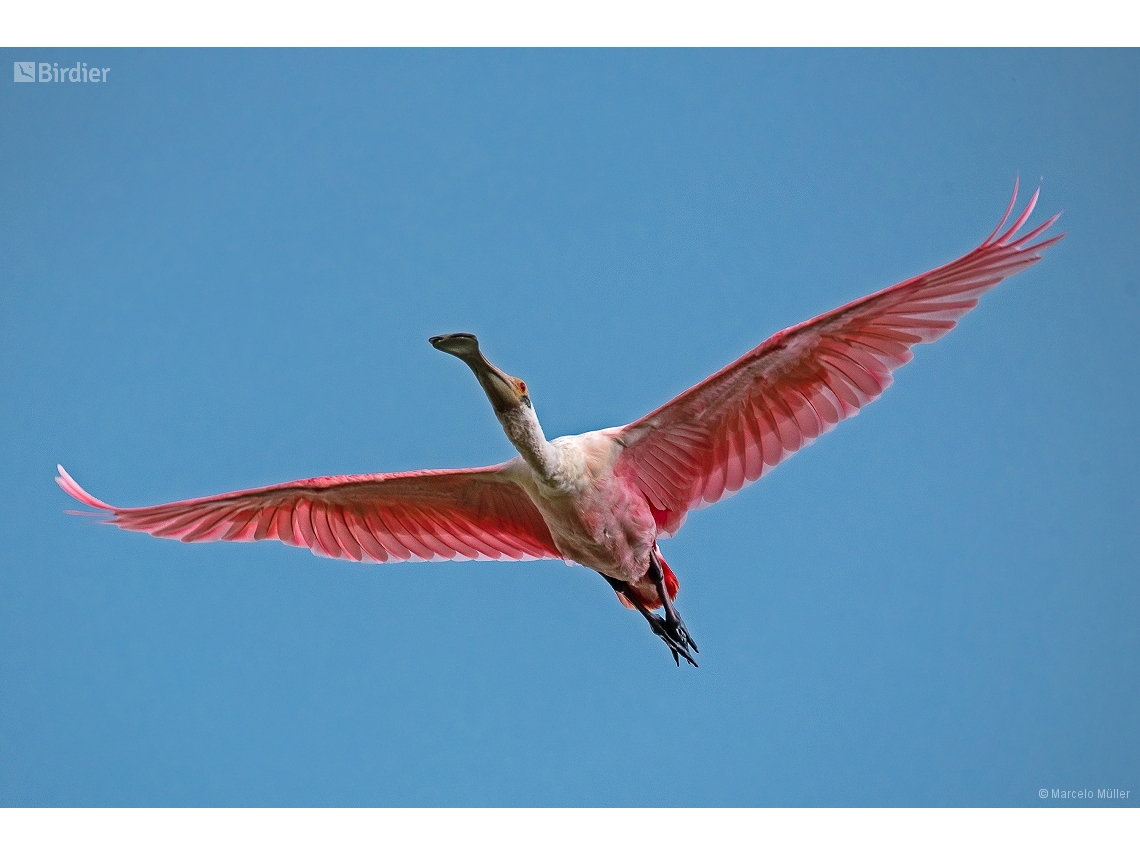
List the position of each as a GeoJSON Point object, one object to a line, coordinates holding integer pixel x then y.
{"type": "Point", "coordinates": [408, 516]}
{"type": "Point", "coordinates": [742, 421]}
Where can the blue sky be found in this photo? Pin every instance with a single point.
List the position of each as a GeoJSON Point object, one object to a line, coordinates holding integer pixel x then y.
{"type": "Point", "coordinates": [219, 270]}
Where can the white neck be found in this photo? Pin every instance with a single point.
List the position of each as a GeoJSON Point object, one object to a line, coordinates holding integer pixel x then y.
{"type": "Point", "coordinates": [525, 433]}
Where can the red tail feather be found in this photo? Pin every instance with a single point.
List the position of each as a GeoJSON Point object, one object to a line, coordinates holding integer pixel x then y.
{"type": "Point", "coordinates": [645, 591]}
{"type": "Point", "coordinates": [672, 586]}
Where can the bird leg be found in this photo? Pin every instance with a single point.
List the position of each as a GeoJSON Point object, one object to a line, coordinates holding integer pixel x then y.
{"type": "Point", "coordinates": [678, 641]}
{"type": "Point", "coordinates": [673, 623]}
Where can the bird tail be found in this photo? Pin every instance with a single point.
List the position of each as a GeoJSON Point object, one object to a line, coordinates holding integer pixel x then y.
{"type": "Point", "coordinates": [646, 593]}
{"type": "Point", "coordinates": [672, 586]}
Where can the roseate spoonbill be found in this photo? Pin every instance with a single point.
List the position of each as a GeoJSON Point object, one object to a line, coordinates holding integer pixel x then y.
{"type": "Point", "coordinates": [603, 499]}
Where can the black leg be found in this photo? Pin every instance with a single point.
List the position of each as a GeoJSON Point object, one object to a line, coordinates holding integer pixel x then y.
{"type": "Point", "coordinates": [673, 621]}
{"type": "Point", "coordinates": [678, 644]}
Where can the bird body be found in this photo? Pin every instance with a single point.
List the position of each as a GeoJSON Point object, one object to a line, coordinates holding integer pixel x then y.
{"type": "Point", "coordinates": [603, 499]}
{"type": "Point", "coordinates": [596, 519]}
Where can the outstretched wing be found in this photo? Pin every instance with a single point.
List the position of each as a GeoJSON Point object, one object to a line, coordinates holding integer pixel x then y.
{"type": "Point", "coordinates": [407, 516]}
{"type": "Point", "coordinates": [742, 421]}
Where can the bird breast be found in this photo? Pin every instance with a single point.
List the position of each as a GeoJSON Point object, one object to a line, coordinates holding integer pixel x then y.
{"type": "Point", "coordinates": [596, 519]}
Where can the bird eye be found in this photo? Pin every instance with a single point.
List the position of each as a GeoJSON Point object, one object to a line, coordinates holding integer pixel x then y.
{"type": "Point", "coordinates": [522, 387]}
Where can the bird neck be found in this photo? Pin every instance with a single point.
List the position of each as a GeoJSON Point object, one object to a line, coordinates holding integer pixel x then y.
{"type": "Point", "coordinates": [525, 433]}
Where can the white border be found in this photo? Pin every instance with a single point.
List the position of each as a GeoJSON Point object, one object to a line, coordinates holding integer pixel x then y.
{"type": "Point", "coordinates": [569, 23]}
{"type": "Point", "coordinates": [552, 831]}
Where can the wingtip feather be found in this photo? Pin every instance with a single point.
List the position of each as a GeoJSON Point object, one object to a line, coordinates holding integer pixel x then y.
{"type": "Point", "coordinates": [1008, 211]}
{"type": "Point", "coordinates": [1003, 240]}
{"type": "Point", "coordinates": [70, 486]}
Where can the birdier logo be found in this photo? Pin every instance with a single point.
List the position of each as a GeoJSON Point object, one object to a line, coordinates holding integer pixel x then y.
{"type": "Point", "coordinates": [50, 72]}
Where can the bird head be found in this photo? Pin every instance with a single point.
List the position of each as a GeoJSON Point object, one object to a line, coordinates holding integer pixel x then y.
{"type": "Point", "coordinates": [506, 393]}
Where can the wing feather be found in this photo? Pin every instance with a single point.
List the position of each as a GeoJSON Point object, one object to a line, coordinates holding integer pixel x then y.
{"type": "Point", "coordinates": [431, 515]}
{"type": "Point", "coordinates": [742, 421]}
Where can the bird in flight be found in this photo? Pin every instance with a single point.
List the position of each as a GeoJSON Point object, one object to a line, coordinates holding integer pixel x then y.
{"type": "Point", "coordinates": [603, 499]}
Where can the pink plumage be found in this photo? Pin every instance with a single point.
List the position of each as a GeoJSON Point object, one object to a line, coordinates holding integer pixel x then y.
{"type": "Point", "coordinates": [741, 422]}
{"type": "Point", "coordinates": [410, 516]}
{"type": "Point", "coordinates": [603, 499]}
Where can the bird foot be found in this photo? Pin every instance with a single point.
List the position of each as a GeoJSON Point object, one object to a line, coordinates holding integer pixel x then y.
{"type": "Point", "coordinates": [675, 635]}
{"type": "Point", "coordinates": [670, 629]}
